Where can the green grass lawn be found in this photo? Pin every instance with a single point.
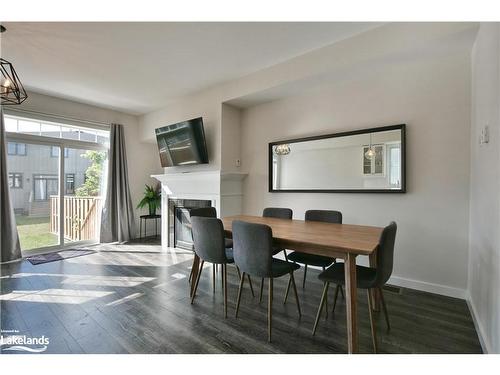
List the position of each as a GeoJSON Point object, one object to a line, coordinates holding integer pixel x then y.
{"type": "Point", "coordinates": [34, 232]}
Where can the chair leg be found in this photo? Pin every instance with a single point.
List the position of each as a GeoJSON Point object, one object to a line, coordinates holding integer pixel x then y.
{"type": "Point", "coordinates": [326, 302]}
{"type": "Point", "coordinates": [242, 281]}
{"type": "Point", "coordinates": [221, 279]}
{"type": "Point", "coordinates": [384, 307]}
{"type": "Point", "coordinates": [224, 278]}
{"type": "Point", "coordinates": [286, 256]}
{"type": "Point", "coordinates": [251, 286]}
{"type": "Point", "coordinates": [197, 281]}
{"type": "Point", "coordinates": [305, 274]}
{"type": "Point", "coordinates": [191, 273]}
{"type": "Point", "coordinates": [292, 279]}
{"type": "Point", "coordinates": [372, 322]}
{"type": "Point", "coordinates": [270, 310]}
{"type": "Point", "coordinates": [318, 314]}
{"type": "Point", "coordinates": [287, 290]}
{"type": "Point", "coordinates": [213, 275]}
{"type": "Point", "coordinates": [335, 297]}
{"type": "Point", "coordinates": [261, 289]}
{"type": "Point", "coordinates": [239, 273]}
{"type": "Point", "coordinates": [342, 291]}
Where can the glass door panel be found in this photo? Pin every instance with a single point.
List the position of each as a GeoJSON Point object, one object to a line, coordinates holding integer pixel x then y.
{"type": "Point", "coordinates": [34, 186]}
{"type": "Point", "coordinates": [83, 194]}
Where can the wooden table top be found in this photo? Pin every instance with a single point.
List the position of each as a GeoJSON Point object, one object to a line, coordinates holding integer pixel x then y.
{"type": "Point", "coordinates": [317, 237]}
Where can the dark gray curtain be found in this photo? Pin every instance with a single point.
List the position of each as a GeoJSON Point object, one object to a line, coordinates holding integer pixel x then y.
{"type": "Point", "coordinates": [10, 248]}
{"type": "Point", "coordinates": [118, 222]}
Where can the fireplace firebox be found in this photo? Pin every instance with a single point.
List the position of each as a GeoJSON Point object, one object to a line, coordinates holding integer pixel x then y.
{"type": "Point", "coordinates": [180, 222]}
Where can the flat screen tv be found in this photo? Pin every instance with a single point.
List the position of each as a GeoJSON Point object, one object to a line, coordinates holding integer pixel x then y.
{"type": "Point", "coordinates": [182, 143]}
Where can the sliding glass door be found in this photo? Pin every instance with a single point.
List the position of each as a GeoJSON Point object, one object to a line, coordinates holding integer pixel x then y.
{"type": "Point", "coordinates": [33, 180]}
{"type": "Point", "coordinates": [56, 180]}
{"type": "Point", "coordinates": [83, 194]}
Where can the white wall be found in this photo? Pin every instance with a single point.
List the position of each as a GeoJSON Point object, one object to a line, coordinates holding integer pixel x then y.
{"type": "Point", "coordinates": [230, 138]}
{"type": "Point", "coordinates": [431, 94]}
{"type": "Point", "coordinates": [484, 258]}
{"type": "Point", "coordinates": [143, 159]}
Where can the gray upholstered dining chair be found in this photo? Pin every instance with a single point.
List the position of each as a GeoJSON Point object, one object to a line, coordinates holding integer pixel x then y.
{"type": "Point", "coordinates": [326, 216]}
{"type": "Point", "coordinates": [279, 213]}
{"type": "Point", "coordinates": [366, 277]}
{"type": "Point", "coordinates": [253, 254]}
{"type": "Point", "coordinates": [228, 242]}
{"type": "Point", "coordinates": [209, 212]}
{"type": "Point", "coordinates": [208, 237]}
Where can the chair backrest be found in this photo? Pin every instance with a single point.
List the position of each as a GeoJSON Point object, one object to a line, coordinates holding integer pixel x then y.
{"type": "Point", "coordinates": [385, 254]}
{"type": "Point", "coordinates": [203, 211]}
{"type": "Point", "coordinates": [253, 248]}
{"type": "Point", "coordinates": [208, 238]}
{"type": "Point", "coordinates": [326, 216]}
{"type": "Point", "coordinates": [280, 213]}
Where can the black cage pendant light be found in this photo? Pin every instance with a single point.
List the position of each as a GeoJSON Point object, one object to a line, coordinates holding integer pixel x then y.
{"type": "Point", "coordinates": [11, 88]}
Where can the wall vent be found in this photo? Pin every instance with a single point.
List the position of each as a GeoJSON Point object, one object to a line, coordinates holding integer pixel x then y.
{"type": "Point", "coordinates": [393, 289]}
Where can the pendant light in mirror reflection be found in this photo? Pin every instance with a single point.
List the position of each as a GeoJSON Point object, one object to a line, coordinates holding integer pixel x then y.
{"type": "Point", "coordinates": [283, 149]}
{"type": "Point", "coordinates": [370, 154]}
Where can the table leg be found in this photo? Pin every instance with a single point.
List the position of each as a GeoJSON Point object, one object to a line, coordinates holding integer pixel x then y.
{"type": "Point", "coordinates": [351, 303]}
{"type": "Point", "coordinates": [196, 269]}
{"type": "Point", "coordinates": [373, 292]}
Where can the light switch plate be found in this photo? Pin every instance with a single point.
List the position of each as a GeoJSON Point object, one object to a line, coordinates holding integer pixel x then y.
{"type": "Point", "coordinates": [485, 135]}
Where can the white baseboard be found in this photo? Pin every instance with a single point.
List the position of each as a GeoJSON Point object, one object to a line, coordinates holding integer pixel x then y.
{"type": "Point", "coordinates": [423, 286]}
{"type": "Point", "coordinates": [428, 287]}
{"type": "Point", "coordinates": [477, 324]}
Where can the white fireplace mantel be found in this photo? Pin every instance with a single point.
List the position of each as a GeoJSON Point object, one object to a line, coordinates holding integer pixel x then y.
{"type": "Point", "coordinates": [223, 189]}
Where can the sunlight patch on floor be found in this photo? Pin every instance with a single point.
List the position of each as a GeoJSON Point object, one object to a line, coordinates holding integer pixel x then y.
{"type": "Point", "coordinates": [120, 281]}
{"type": "Point", "coordinates": [125, 299]}
{"type": "Point", "coordinates": [67, 296]}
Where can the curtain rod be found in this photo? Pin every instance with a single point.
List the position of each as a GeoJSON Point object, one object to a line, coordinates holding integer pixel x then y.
{"type": "Point", "coordinates": [60, 117]}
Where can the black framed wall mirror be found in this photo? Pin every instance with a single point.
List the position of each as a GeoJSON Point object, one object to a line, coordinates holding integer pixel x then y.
{"type": "Point", "coordinates": [361, 161]}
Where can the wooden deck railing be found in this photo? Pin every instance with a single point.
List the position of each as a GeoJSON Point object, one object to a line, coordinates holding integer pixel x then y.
{"type": "Point", "coordinates": [82, 217]}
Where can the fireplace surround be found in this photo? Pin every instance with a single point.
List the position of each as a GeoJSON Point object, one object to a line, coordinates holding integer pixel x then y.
{"type": "Point", "coordinates": [217, 189]}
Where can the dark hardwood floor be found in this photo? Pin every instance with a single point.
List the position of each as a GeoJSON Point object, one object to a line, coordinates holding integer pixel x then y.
{"type": "Point", "coordinates": [134, 299]}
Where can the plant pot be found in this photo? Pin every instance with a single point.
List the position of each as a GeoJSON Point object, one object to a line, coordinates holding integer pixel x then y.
{"type": "Point", "coordinates": [152, 209]}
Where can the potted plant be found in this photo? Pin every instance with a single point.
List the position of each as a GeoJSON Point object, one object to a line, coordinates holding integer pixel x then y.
{"type": "Point", "coordinates": [152, 198]}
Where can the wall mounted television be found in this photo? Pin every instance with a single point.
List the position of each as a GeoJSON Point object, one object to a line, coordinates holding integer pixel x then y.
{"type": "Point", "coordinates": [182, 143]}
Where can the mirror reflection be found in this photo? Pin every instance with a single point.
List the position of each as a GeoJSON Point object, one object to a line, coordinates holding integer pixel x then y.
{"type": "Point", "coordinates": [365, 161]}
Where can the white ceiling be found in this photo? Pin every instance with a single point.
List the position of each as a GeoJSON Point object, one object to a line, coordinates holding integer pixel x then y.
{"type": "Point", "coordinates": [140, 67]}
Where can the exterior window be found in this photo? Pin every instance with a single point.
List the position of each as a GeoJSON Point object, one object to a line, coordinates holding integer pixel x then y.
{"type": "Point", "coordinates": [54, 152]}
{"type": "Point", "coordinates": [16, 148]}
{"type": "Point", "coordinates": [16, 180]}
{"type": "Point", "coordinates": [70, 183]}
{"type": "Point", "coordinates": [45, 186]}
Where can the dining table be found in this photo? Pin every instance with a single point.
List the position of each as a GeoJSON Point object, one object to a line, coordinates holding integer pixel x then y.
{"type": "Point", "coordinates": [339, 241]}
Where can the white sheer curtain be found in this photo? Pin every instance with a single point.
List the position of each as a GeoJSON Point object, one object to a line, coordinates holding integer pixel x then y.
{"type": "Point", "coordinates": [10, 249]}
